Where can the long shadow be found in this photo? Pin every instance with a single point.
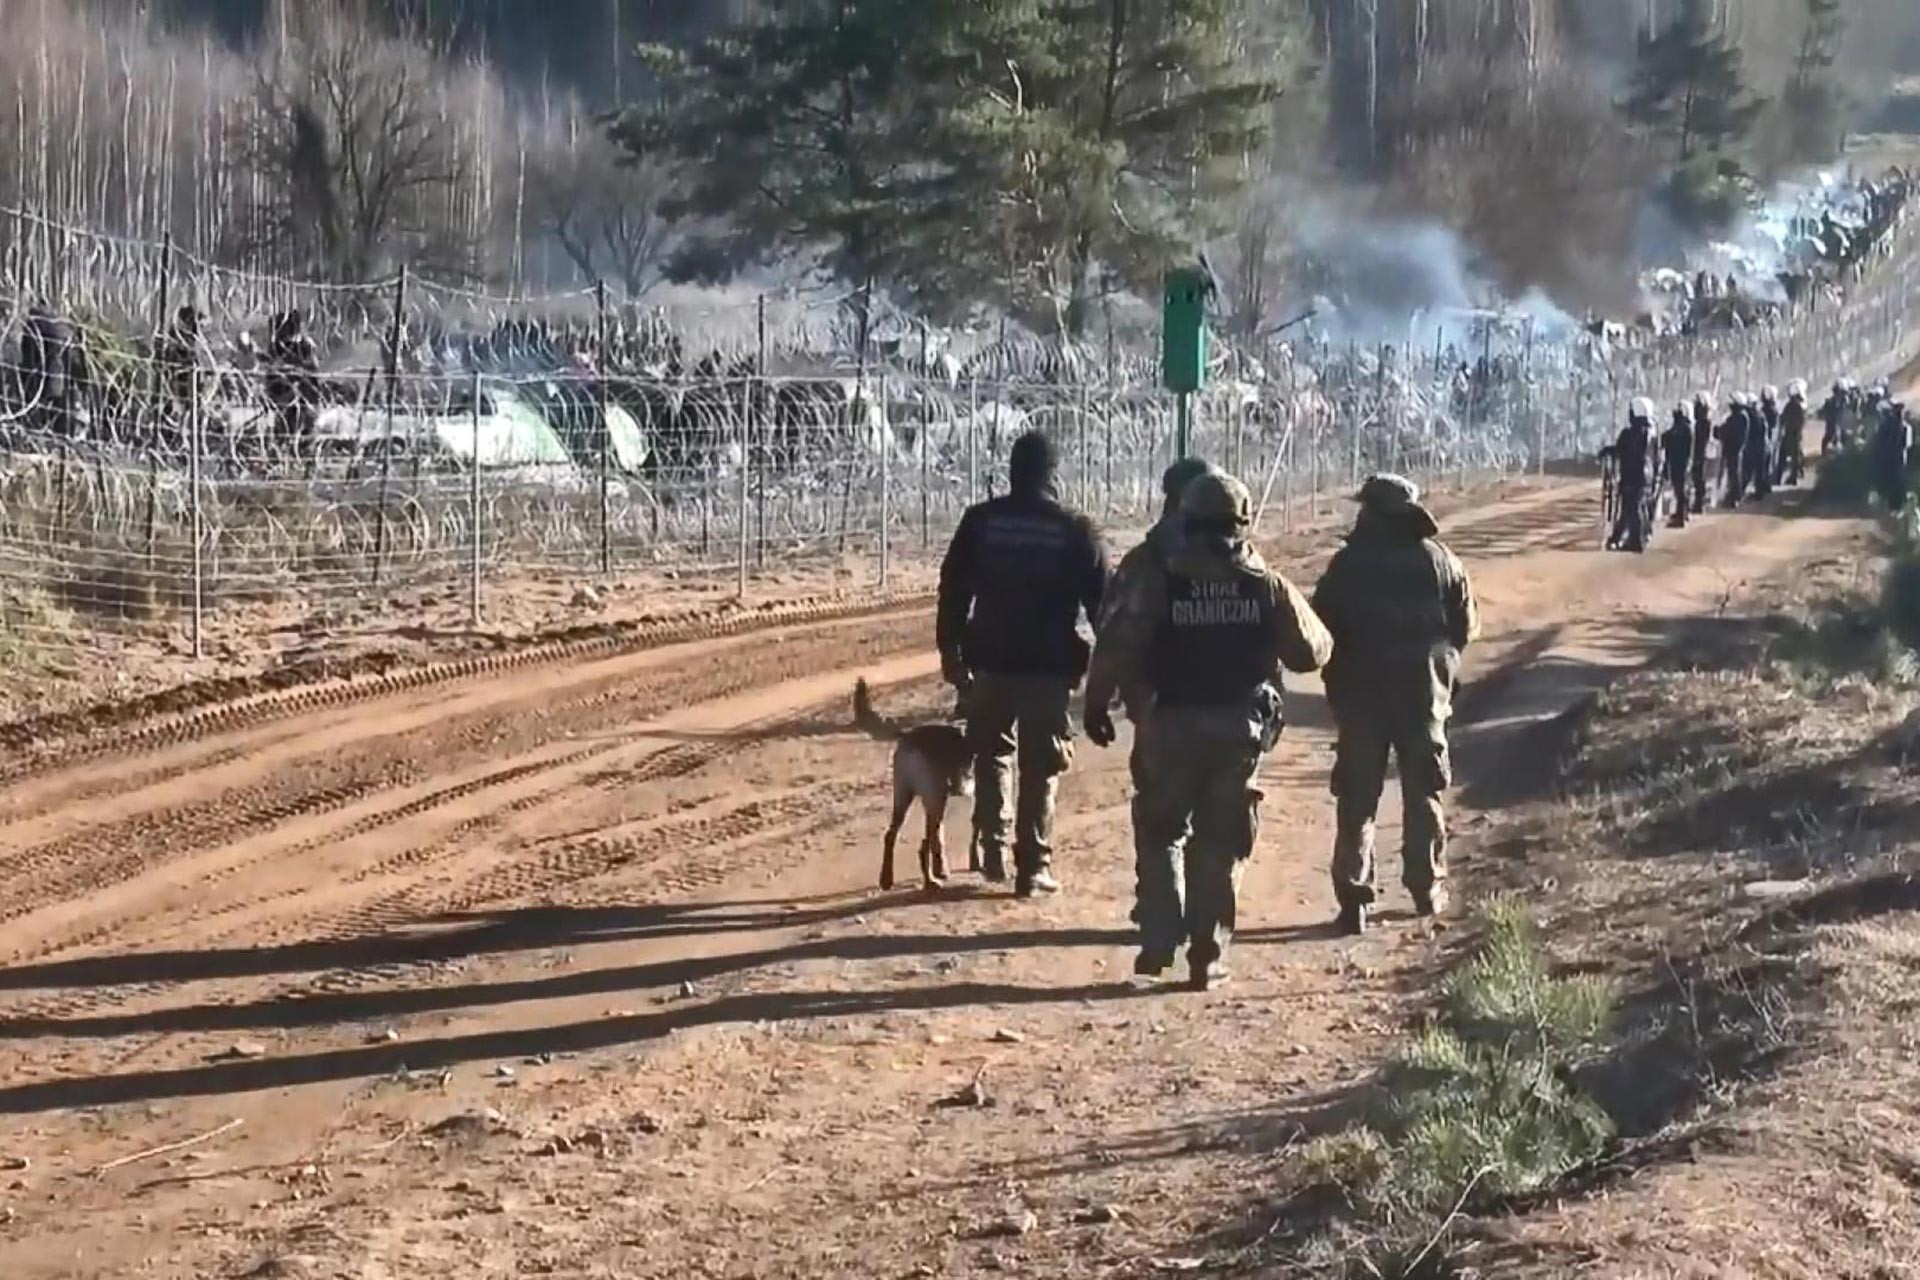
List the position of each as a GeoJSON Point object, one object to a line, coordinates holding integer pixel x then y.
{"type": "Point", "coordinates": [308, 1010]}
{"type": "Point", "coordinates": [577, 1037]}
{"type": "Point", "coordinates": [459, 937]}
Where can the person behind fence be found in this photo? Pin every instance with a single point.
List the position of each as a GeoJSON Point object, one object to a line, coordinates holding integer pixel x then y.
{"type": "Point", "coordinates": [1207, 631]}
{"type": "Point", "coordinates": [1676, 454]}
{"type": "Point", "coordinates": [49, 354]}
{"type": "Point", "coordinates": [1017, 576]}
{"type": "Point", "coordinates": [1791, 450]}
{"type": "Point", "coordinates": [1702, 433]}
{"type": "Point", "coordinates": [292, 382]}
{"type": "Point", "coordinates": [1401, 612]}
{"type": "Point", "coordinates": [1633, 452]}
{"type": "Point", "coordinates": [1137, 698]}
{"type": "Point", "coordinates": [178, 354]}
{"type": "Point", "coordinates": [1892, 446]}
{"type": "Point", "coordinates": [1833, 412]}
{"type": "Point", "coordinates": [1763, 441]}
{"type": "Point", "coordinates": [1732, 435]}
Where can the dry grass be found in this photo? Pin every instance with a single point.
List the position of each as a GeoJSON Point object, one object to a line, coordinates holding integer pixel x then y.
{"type": "Point", "coordinates": [1733, 853]}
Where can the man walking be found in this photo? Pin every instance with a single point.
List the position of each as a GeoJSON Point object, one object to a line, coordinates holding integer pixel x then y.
{"type": "Point", "coordinates": [1401, 612]}
{"type": "Point", "coordinates": [1207, 630]}
{"type": "Point", "coordinates": [1633, 452]}
{"type": "Point", "coordinates": [1702, 433]}
{"type": "Point", "coordinates": [1149, 557]}
{"type": "Point", "coordinates": [1019, 573]}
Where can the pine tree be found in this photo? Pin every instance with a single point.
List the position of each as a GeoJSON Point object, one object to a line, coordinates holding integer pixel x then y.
{"type": "Point", "coordinates": [789, 133]}
{"type": "Point", "coordinates": [1813, 100]}
{"type": "Point", "coordinates": [1101, 133]}
{"type": "Point", "coordinates": [1688, 84]}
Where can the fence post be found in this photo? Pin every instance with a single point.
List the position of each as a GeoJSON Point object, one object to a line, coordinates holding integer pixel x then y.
{"type": "Point", "coordinates": [1106, 404]}
{"type": "Point", "coordinates": [973, 435]}
{"type": "Point", "coordinates": [153, 397]}
{"type": "Point", "coordinates": [764, 459]}
{"type": "Point", "coordinates": [926, 430]}
{"type": "Point", "coordinates": [386, 447]}
{"type": "Point", "coordinates": [473, 499]}
{"type": "Point", "coordinates": [746, 465]}
{"type": "Point", "coordinates": [199, 516]}
{"type": "Point", "coordinates": [606, 436]}
{"type": "Point", "coordinates": [886, 495]}
{"type": "Point", "coordinates": [1353, 408]}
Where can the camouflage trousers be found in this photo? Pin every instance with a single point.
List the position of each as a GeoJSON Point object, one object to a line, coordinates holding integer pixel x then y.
{"type": "Point", "coordinates": [1418, 743]}
{"type": "Point", "coordinates": [1148, 845]}
{"type": "Point", "coordinates": [1195, 780]}
{"type": "Point", "coordinates": [1019, 730]}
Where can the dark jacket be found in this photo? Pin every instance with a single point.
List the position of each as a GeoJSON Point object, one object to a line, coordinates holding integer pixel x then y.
{"type": "Point", "coordinates": [1018, 574]}
{"type": "Point", "coordinates": [1633, 448]}
{"type": "Point", "coordinates": [1676, 446]}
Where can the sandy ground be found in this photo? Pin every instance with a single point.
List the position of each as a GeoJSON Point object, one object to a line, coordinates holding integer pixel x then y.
{"type": "Point", "coordinates": [577, 969]}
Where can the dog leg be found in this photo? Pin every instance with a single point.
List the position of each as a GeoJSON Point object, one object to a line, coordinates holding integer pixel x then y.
{"type": "Point", "coordinates": [933, 854]}
{"type": "Point", "coordinates": [902, 801]}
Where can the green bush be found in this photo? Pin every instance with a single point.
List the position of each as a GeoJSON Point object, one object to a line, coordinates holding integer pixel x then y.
{"type": "Point", "coordinates": [1482, 1103]}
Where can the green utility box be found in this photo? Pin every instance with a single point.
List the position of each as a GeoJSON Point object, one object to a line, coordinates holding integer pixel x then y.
{"type": "Point", "coordinates": [1183, 331]}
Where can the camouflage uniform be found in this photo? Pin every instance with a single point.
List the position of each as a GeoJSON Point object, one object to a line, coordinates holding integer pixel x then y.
{"type": "Point", "coordinates": [1150, 556]}
{"type": "Point", "coordinates": [1207, 631]}
{"type": "Point", "coordinates": [1401, 611]}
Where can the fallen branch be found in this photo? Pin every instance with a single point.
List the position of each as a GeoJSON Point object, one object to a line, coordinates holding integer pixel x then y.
{"type": "Point", "coordinates": [167, 1149]}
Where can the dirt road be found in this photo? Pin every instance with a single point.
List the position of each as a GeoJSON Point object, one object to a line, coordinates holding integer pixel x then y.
{"type": "Point", "coordinates": [576, 968]}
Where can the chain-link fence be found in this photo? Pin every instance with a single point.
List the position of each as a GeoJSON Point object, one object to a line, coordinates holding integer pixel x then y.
{"type": "Point", "coordinates": [178, 439]}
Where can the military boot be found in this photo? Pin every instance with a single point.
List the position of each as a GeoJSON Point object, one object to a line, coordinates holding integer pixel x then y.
{"type": "Point", "coordinates": [1206, 976]}
{"type": "Point", "coordinates": [1040, 880]}
{"type": "Point", "coordinates": [1353, 919]}
{"type": "Point", "coordinates": [1152, 963]}
{"type": "Point", "coordinates": [1430, 902]}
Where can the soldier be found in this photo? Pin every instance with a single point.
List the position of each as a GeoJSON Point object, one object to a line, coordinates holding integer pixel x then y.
{"type": "Point", "coordinates": [1763, 436]}
{"type": "Point", "coordinates": [1633, 451]}
{"type": "Point", "coordinates": [1149, 557]}
{"type": "Point", "coordinates": [1401, 612]}
{"type": "Point", "coordinates": [1676, 451]}
{"type": "Point", "coordinates": [1793, 431]}
{"type": "Point", "coordinates": [1892, 445]}
{"type": "Point", "coordinates": [293, 384]}
{"type": "Point", "coordinates": [1832, 413]}
{"type": "Point", "coordinates": [1207, 631]}
{"type": "Point", "coordinates": [1702, 433]}
{"type": "Point", "coordinates": [1732, 435]}
{"type": "Point", "coordinates": [1019, 572]}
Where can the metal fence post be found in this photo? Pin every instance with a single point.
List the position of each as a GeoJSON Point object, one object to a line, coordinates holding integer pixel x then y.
{"type": "Point", "coordinates": [746, 466]}
{"type": "Point", "coordinates": [386, 446]}
{"type": "Point", "coordinates": [473, 500]}
{"type": "Point", "coordinates": [886, 496]}
{"type": "Point", "coordinates": [606, 436]}
{"type": "Point", "coordinates": [199, 515]}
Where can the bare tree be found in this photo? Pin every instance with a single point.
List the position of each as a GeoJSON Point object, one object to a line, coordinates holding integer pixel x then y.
{"type": "Point", "coordinates": [602, 209]}
{"type": "Point", "coordinates": [357, 166]}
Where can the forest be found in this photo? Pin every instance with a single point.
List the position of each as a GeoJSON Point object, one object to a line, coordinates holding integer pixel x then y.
{"type": "Point", "coordinates": [1024, 158]}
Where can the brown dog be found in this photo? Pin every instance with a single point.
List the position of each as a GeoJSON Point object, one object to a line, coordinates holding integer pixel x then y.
{"type": "Point", "coordinates": [931, 763]}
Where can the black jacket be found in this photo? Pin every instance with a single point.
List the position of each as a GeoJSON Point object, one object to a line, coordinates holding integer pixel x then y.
{"type": "Point", "coordinates": [1018, 574]}
{"type": "Point", "coordinates": [1676, 445]}
{"type": "Point", "coordinates": [1634, 449]}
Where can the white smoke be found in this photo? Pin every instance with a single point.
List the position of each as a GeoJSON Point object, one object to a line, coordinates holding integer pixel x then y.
{"type": "Point", "coordinates": [1405, 281]}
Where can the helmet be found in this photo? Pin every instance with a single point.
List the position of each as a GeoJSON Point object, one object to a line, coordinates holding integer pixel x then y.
{"type": "Point", "coordinates": [1217, 498]}
{"type": "Point", "coordinates": [1641, 408]}
{"type": "Point", "coordinates": [1797, 388]}
{"type": "Point", "coordinates": [1839, 385]}
{"type": "Point", "coordinates": [1683, 409]}
{"type": "Point", "coordinates": [1770, 394]}
{"type": "Point", "coordinates": [1704, 400]}
{"type": "Point", "coordinates": [1738, 399]}
{"type": "Point", "coordinates": [1177, 477]}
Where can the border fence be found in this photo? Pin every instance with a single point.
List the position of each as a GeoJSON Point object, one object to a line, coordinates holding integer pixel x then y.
{"type": "Point", "coordinates": [178, 438]}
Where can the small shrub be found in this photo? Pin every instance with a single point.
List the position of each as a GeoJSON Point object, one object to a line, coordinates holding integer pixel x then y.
{"type": "Point", "coordinates": [1482, 1103]}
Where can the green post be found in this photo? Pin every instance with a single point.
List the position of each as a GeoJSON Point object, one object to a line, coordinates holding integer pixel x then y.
{"type": "Point", "coordinates": [1183, 345]}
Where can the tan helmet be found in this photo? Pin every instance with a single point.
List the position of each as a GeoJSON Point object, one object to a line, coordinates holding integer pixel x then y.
{"type": "Point", "coordinates": [1385, 491]}
{"type": "Point", "coordinates": [1216, 499]}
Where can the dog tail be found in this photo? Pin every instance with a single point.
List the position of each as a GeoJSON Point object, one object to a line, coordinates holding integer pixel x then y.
{"type": "Point", "coordinates": [869, 721]}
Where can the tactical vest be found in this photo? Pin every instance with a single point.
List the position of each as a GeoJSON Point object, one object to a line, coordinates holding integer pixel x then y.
{"type": "Point", "coordinates": [1214, 646]}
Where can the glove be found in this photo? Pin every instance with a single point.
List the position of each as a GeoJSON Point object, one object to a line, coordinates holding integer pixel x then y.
{"type": "Point", "coordinates": [1099, 726]}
